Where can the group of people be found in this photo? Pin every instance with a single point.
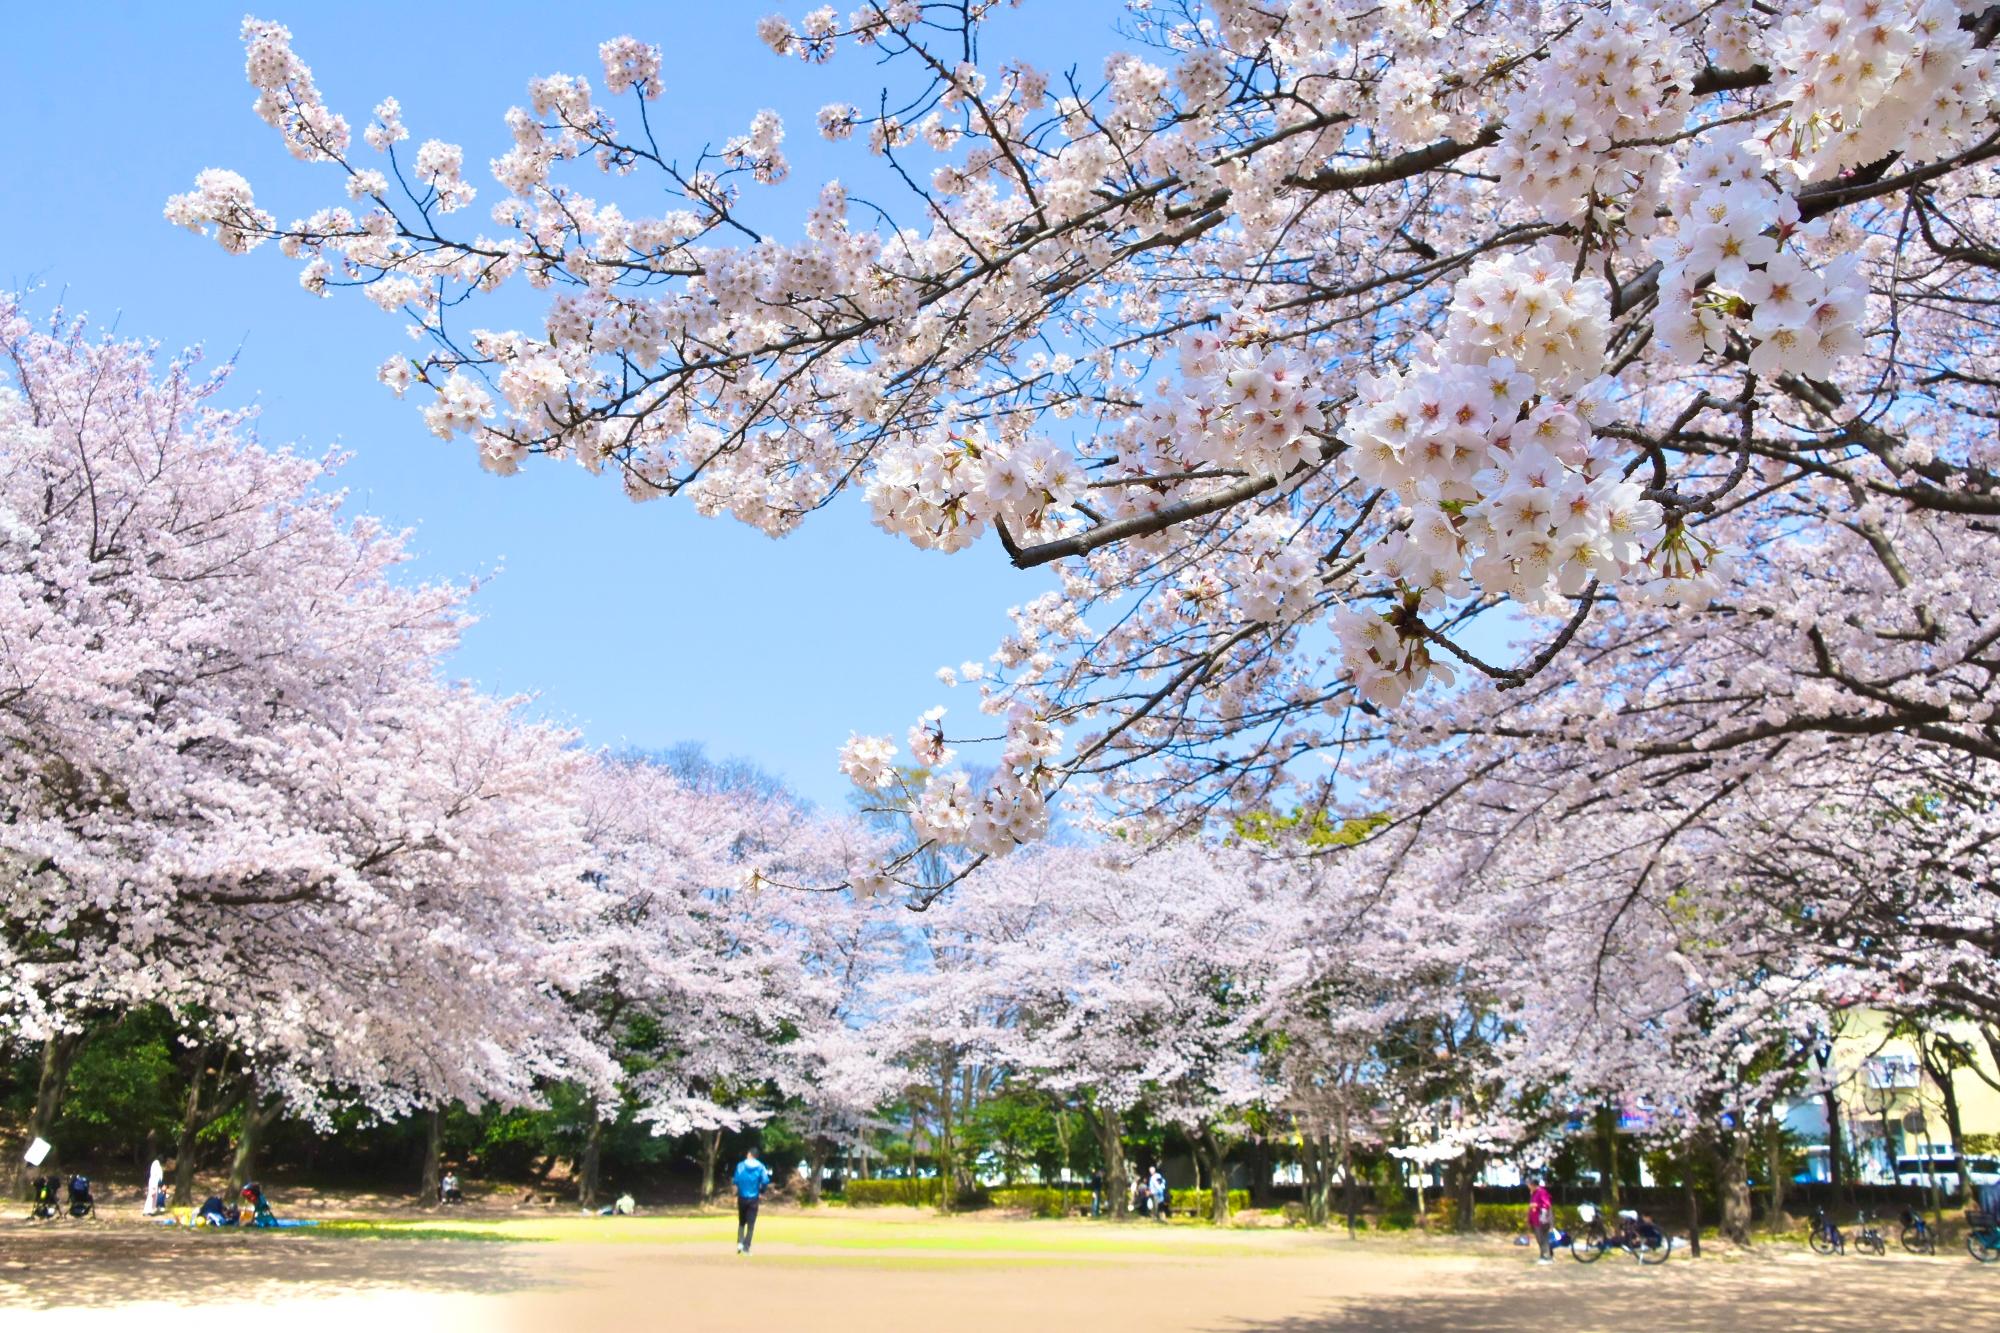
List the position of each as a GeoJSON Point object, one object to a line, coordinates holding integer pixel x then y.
{"type": "Point", "coordinates": [1150, 1197]}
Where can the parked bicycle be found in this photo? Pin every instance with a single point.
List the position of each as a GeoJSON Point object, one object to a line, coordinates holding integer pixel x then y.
{"type": "Point", "coordinates": [1982, 1236]}
{"type": "Point", "coordinates": [1825, 1237]}
{"type": "Point", "coordinates": [1917, 1235]}
{"type": "Point", "coordinates": [1867, 1236]}
{"type": "Point", "coordinates": [1636, 1235]}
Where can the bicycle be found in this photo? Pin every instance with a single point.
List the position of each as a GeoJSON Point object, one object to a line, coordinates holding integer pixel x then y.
{"type": "Point", "coordinates": [1825, 1237]}
{"type": "Point", "coordinates": [1982, 1237]}
{"type": "Point", "coordinates": [1636, 1235]}
{"type": "Point", "coordinates": [1868, 1236]}
{"type": "Point", "coordinates": [1917, 1236]}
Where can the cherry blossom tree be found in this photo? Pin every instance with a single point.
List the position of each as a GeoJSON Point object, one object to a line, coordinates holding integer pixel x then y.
{"type": "Point", "coordinates": [1293, 340]}
{"type": "Point", "coordinates": [236, 786]}
{"type": "Point", "coordinates": [1111, 985]}
{"type": "Point", "coordinates": [727, 992]}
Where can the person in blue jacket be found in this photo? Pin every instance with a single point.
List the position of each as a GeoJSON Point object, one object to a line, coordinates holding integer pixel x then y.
{"type": "Point", "coordinates": [752, 1177]}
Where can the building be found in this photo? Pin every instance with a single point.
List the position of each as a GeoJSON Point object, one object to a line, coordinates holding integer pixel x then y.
{"type": "Point", "coordinates": [1890, 1104]}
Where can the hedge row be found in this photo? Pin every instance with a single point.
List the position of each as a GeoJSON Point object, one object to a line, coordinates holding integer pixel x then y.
{"type": "Point", "coordinates": [909, 1191]}
{"type": "Point", "coordinates": [1201, 1201]}
{"type": "Point", "coordinates": [1506, 1218]}
{"type": "Point", "coordinates": [1040, 1200]}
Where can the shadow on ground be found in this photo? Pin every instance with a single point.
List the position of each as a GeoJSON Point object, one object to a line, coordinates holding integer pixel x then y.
{"type": "Point", "coordinates": [1744, 1295]}
{"type": "Point", "coordinates": [110, 1268]}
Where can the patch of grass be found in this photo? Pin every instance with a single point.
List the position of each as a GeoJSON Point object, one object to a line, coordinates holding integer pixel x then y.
{"type": "Point", "coordinates": [391, 1230]}
{"type": "Point", "coordinates": [923, 1238]}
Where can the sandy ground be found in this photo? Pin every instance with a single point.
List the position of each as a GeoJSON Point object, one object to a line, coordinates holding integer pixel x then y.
{"type": "Point", "coordinates": [843, 1276]}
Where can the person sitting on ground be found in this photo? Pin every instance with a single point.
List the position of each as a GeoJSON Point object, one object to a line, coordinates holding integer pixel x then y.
{"type": "Point", "coordinates": [260, 1208]}
{"type": "Point", "coordinates": [213, 1212]}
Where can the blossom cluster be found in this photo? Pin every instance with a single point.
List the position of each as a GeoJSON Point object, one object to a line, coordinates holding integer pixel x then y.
{"type": "Point", "coordinates": [1732, 253]}
{"type": "Point", "coordinates": [1575, 142]}
{"type": "Point", "coordinates": [1503, 481]}
{"type": "Point", "coordinates": [1872, 77]}
{"type": "Point", "coordinates": [945, 493]}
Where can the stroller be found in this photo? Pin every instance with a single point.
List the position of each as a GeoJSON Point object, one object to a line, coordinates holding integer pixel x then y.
{"type": "Point", "coordinates": [45, 1199]}
{"type": "Point", "coordinates": [80, 1202]}
{"type": "Point", "coordinates": [259, 1209]}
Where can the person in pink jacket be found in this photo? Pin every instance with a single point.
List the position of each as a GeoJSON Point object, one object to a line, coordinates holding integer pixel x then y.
{"type": "Point", "coordinates": [1541, 1220]}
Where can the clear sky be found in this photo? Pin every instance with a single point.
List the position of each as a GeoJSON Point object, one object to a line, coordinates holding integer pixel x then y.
{"type": "Point", "coordinates": [641, 624]}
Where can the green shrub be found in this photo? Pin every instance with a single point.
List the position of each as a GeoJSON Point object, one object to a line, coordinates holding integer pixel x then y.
{"type": "Point", "coordinates": [1041, 1200]}
{"type": "Point", "coordinates": [1201, 1201]}
{"type": "Point", "coordinates": [1399, 1218]}
{"type": "Point", "coordinates": [910, 1192]}
{"type": "Point", "coordinates": [1505, 1218]}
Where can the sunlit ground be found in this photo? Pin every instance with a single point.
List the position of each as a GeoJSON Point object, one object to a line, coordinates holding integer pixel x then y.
{"type": "Point", "coordinates": [889, 1270]}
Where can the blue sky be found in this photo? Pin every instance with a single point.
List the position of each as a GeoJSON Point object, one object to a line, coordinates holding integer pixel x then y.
{"type": "Point", "coordinates": [642, 624]}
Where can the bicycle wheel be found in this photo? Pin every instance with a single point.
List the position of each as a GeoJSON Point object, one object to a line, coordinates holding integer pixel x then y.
{"type": "Point", "coordinates": [1874, 1244]}
{"type": "Point", "coordinates": [1984, 1246]}
{"type": "Point", "coordinates": [1656, 1251]}
{"type": "Point", "coordinates": [1918, 1240]}
{"type": "Point", "coordinates": [1588, 1247]}
{"type": "Point", "coordinates": [1824, 1240]}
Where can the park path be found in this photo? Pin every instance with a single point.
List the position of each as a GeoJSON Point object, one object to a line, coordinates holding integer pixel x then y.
{"type": "Point", "coordinates": [129, 1280]}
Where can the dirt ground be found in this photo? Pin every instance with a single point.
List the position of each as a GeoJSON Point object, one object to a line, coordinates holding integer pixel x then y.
{"type": "Point", "coordinates": [884, 1275]}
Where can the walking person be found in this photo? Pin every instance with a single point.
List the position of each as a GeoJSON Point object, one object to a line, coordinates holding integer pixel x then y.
{"type": "Point", "coordinates": [752, 1177]}
{"type": "Point", "coordinates": [1541, 1220]}
{"type": "Point", "coordinates": [1156, 1185]}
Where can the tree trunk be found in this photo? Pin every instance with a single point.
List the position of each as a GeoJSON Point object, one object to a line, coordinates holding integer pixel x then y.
{"type": "Point", "coordinates": [1261, 1192]}
{"type": "Point", "coordinates": [946, 1142]}
{"type": "Point", "coordinates": [593, 1156]}
{"type": "Point", "coordinates": [58, 1056]}
{"type": "Point", "coordinates": [433, 1158]}
{"type": "Point", "coordinates": [1733, 1179]}
{"type": "Point", "coordinates": [1109, 1128]}
{"type": "Point", "coordinates": [1469, 1165]}
{"type": "Point", "coordinates": [1836, 1142]}
{"type": "Point", "coordinates": [1693, 1202]}
{"type": "Point", "coordinates": [184, 1143]}
{"type": "Point", "coordinates": [1775, 1162]}
{"type": "Point", "coordinates": [1953, 1123]}
{"type": "Point", "coordinates": [1062, 1145]}
{"type": "Point", "coordinates": [1209, 1150]}
{"type": "Point", "coordinates": [711, 1150]}
{"type": "Point", "coordinates": [258, 1116]}
{"type": "Point", "coordinates": [1346, 1169]}
{"type": "Point", "coordinates": [1607, 1152]}
{"type": "Point", "coordinates": [816, 1153]}
{"type": "Point", "coordinates": [196, 1117]}
{"type": "Point", "coordinates": [1313, 1189]}
{"type": "Point", "coordinates": [1316, 1167]}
